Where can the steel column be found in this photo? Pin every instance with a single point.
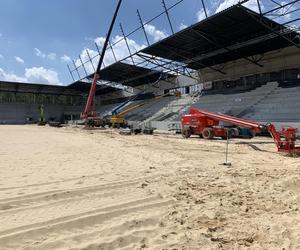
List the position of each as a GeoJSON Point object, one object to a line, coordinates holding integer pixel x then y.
{"type": "Point", "coordinates": [125, 38]}
{"type": "Point", "coordinates": [91, 61]}
{"type": "Point", "coordinates": [168, 16]}
{"type": "Point", "coordinates": [204, 8]}
{"type": "Point", "coordinates": [143, 27]}
{"type": "Point", "coordinates": [76, 69]}
{"type": "Point", "coordinates": [112, 50]}
{"type": "Point", "coordinates": [70, 72]}
{"type": "Point", "coordinates": [83, 65]}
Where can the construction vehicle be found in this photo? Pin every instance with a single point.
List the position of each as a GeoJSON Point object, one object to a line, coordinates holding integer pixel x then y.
{"type": "Point", "coordinates": [207, 125]}
{"type": "Point", "coordinates": [89, 114]}
{"type": "Point", "coordinates": [118, 115]}
{"type": "Point", "coordinates": [117, 119]}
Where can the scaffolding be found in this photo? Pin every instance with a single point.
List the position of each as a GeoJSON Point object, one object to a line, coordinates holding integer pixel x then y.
{"type": "Point", "coordinates": [234, 33]}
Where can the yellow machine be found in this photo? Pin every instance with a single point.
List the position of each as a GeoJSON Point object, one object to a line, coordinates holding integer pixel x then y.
{"type": "Point", "coordinates": [118, 120]}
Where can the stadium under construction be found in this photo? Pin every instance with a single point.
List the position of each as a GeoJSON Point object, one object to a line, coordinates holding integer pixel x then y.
{"type": "Point", "coordinates": [238, 62]}
{"type": "Point", "coordinates": [190, 142]}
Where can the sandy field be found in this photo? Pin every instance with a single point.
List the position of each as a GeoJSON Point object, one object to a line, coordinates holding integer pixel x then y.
{"type": "Point", "coordinates": [67, 188]}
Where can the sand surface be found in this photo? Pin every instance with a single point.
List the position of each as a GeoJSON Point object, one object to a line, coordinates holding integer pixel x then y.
{"type": "Point", "coordinates": [73, 189]}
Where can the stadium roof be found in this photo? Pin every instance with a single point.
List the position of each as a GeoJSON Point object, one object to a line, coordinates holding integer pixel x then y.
{"type": "Point", "coordinates": [77, 88]}
{"type": "Point", "coordinates": [234, 33]}
{"type": "Point", "coordinates": [84, 87]}
{"type": "Point", "coordinates": [129, 75]}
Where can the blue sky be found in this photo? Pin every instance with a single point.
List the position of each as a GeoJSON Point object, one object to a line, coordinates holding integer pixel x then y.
{"type": "Point", "coordinates": [37, 38]}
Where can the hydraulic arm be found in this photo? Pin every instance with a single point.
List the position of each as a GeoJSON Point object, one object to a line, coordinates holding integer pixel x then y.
{"type": "Point", "coordinates": [285, 140]}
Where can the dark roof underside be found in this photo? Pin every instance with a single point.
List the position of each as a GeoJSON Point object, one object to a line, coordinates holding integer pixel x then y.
{"type": "Point", "coordinates": [129, 75]}
{"type": "Point", "coordinates": [232, 34]}
{"type": "Point", "coordinates": [77, 88]}
{"type": "Point", "coordinates": [85, 88]}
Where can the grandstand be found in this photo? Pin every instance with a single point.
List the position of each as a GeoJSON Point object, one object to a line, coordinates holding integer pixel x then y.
{"type": "Point", "coordinates": [238, 62]}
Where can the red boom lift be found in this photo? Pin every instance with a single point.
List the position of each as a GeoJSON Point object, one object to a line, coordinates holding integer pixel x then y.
{"type": "Point", "coordinates": [207, 125]}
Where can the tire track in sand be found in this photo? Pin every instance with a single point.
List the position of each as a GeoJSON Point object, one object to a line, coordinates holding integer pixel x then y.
{"type": "Point", "coordinates": [31, 234]}
{"type": "Point", "coordinates": [46, 197]}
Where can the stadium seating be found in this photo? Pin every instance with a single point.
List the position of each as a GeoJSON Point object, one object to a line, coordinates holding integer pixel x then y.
{"type": "Point", "coordinates": [149, 109]}
{"type": "Point", "coordinates": [270, 102]}
{"type": "Point", "coordinates": [281, 105]}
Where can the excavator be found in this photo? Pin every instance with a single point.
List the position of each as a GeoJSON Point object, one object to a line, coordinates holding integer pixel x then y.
{"type": "Point", "coordinates": [207, 125]}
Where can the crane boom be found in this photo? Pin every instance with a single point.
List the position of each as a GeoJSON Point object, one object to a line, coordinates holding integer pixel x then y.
{"type": "Point", "coordinates": [88, 111]}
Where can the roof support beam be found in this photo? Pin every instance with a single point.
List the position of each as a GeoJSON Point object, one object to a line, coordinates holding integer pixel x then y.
{"type": "Point", "coordinates": [280, 7]}
{"type": "Point", "coordinates": [259, 6]}
{"type": "Point", "coordinates": [70, 72]}
{"type": "Point", "coordinates": [76, 68]}
{"type": "Point", "coordinates": [153, 61]}
{"type": "Point", "coordinates": [143, 26]}
{"type": "Point", "coordinates": [205, 36]}
{"type": "Point", "coordinates": [112, 50]}
{"type": "Point", "coordinates": [168, 16]}
{"type": "Point", "coordinates": [83, 65]}
{"type": "Point", "coordinates": [204, 7]}
{"type": "Point", "coordinates": [125, 38]}
{"type": "Point", "coordinates": [190, 60]}
{"type": "Point", "coordinates": [277, 32]}
{"type": "Point", "coordinates": [90, 59]}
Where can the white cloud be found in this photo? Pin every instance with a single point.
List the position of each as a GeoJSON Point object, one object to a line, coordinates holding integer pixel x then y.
{"type": "Point", "coordinates": [251, 4]}
{"type": "Point", "coordinates": [284, 13]}
{"type": "Point", "coordinates": [39, 53]}
{"type": "Point", "coordinates": [19, 60]}
{"type": "Point", "coordinates": [50, 56]}
{"type": "Point", "coordinates": [11, 77]}
{"type": "Point", "coordinates": [33, 75]}
{"type": "Point", "coordinates": [201, 15]}
{"type": "Point", "coordinates": [1, 56]}
{"type": "Point", "coordinates": [100, 41]}
{"type": "Point", "coordinates": [65, 59]}
{"type": "Point", "coordinates": [120, 50]}
{"type": "Point", "coordinates": [42, 75]}
{"type": "Point", "coordinates": [155, 33]}
{"type": "Point", "coordinates": [182, 26]}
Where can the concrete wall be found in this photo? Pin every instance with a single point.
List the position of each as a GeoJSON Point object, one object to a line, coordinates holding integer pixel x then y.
{"type": "Point", "coordinates": [273, 61]}
{"type": "Point", "coordinates": [13, 113]}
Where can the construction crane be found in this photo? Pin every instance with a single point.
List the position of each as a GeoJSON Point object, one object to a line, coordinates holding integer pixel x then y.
{"type": "Point", "coordinates": [207, 125]}
{"type": "Point", "coordinates": [89, 113]}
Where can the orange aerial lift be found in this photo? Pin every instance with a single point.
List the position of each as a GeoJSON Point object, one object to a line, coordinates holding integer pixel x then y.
{"type": "Point", "coordinates": [207, 125]}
